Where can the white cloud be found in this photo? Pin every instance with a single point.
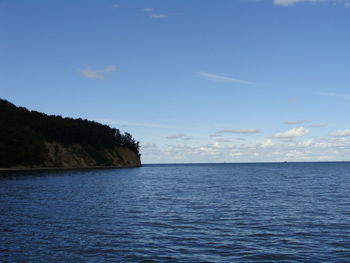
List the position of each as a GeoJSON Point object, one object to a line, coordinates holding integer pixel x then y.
{"type": "Point", "coordinates": [91, 74]}
{"type": "Point", "coordinates": [220, 78]}
{"type": "Point", "coordinates": [347, 4]}
{"type": "Point", "coordinates": [241, 131]}
{"type": "Point", "coordinates": [293, 133]}
{"type": "Point", "coordinates": [98, 74]}
{"type": "Point", "coordinates": [116, 6]}
{"type": "Point", "coordinates": [267, 143]}
{"type": "Point", "coordinates": [308, 142]}
{"type": "Point", "coordinates": [147, 9]}
{"type": "Point", "coordinates": [292, 2]}
{"type": "Point", "coordinates": [158, 16]}
{"type": "Point", "coordinates": [296, 122]}
{"type": "Point", "coordinates": [341, 133]}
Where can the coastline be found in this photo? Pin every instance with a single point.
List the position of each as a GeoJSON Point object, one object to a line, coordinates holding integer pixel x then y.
{"type": "Point", "coordinates": [28, 169]}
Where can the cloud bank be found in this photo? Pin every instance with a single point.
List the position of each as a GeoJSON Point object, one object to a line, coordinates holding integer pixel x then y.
{"type": "Point", "coordinates": [313, 149]}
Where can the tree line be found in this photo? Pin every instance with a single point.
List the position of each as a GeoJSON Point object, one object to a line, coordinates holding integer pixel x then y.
{"type": "Point", "coordinates": [23, 134]}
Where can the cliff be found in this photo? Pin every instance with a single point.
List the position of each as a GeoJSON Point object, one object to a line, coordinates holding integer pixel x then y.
{"type": "Point", "coordinates": [30, 139]}
{"type": "Point", "coordinates": [77, 156]}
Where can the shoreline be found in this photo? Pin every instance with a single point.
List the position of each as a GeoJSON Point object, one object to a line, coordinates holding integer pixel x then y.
{"type": "Point", "coordinates": [29, 169]}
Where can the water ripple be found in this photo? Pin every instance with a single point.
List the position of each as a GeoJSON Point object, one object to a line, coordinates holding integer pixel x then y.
{"type": "Point", "coordinates": [178, 213]}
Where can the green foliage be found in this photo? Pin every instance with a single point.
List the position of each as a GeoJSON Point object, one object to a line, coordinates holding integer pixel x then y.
{"type": "Point", "coordinates": [20, 146]}
{"type": "Point", "coordinates": [23, 133]}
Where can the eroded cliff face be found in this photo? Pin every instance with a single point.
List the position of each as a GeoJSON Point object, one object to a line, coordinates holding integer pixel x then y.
{"type": "Point", "coordinates": [78, 156]}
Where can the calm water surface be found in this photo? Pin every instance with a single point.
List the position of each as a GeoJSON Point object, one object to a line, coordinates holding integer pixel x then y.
{"type": "Point", "coordinates": [296, 212]}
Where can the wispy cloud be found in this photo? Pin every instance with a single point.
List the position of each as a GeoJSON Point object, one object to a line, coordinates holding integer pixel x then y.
{"type": "Point", "coordinates": [293, 133]}
{"type": "Point", "coordinates": [158, 16]}
{"type": "Point", "coordinates": [346, 3]}
{"type": "Point", "coordinates": [223, 140]}
{"type": "Point", "coordinates": [336, 95]}
{"type": "Point", "coordinates": [131, 123]}
{"type": "Point", "coordinates": [328, 94]}
{"type": "Point", "coordinates": [292, 2]}
{"type": "Point", "coordinates": [215, 135]}
{"type": "Point", "coordinates": [149, 146]}
{"type": "Point", "coordinates": [116, 6]}
{"type": "Point", "coordinates": [341, 133]}
{"type": "Point", "coordinates": [154, 15]}
{"type": "Point", "coordinates": [317, 125]}
{"type": "Point", "coordinates": [221, 78]}
{"type": "Point", "coordinates": [179, 136]}
{"type": "Point", "coordinates": [239, 131]}
{"type": "Point", "coordinates": [296, 122]}
{"type": "Point", "coordinates": [148, 9]}
{"type": "Point", "coordinates": [98, 74]}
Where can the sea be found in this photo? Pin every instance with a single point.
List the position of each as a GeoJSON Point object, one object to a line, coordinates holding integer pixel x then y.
{"type": "Point", "coordinates": [257, 212]}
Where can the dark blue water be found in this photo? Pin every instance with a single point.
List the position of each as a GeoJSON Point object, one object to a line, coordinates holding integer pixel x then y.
{"type": "Point", "coordinates": [178, 213]}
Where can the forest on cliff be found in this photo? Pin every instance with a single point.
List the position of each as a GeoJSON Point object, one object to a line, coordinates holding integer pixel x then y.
{"type": "Point", "coordinates": [23, 134]}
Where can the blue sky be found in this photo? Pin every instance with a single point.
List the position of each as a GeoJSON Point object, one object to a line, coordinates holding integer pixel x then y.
{"type": "Point", "coordinates": [194, 81]}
